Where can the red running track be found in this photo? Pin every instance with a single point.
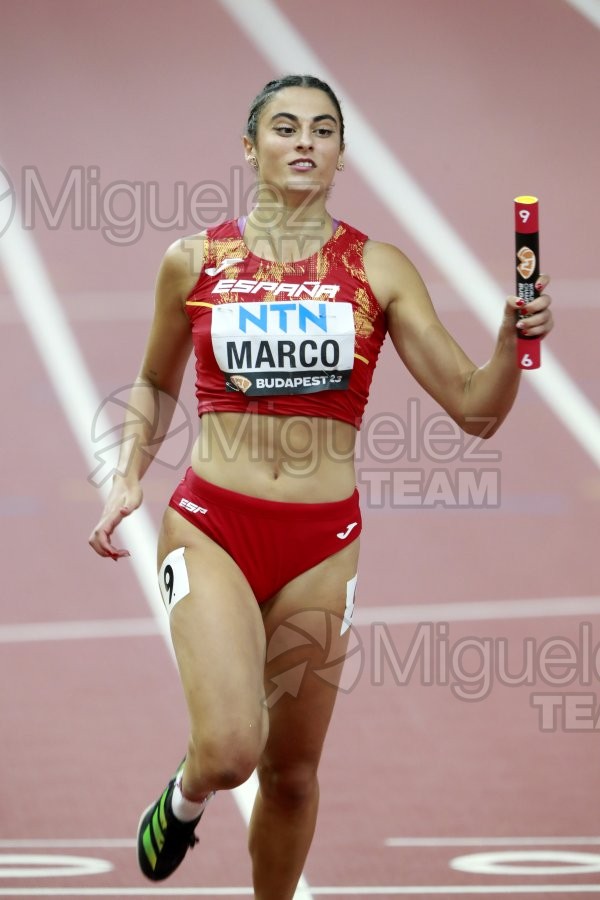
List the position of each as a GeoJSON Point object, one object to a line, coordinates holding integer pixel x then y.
{"type": "Point", "coordinates": [480, 102]}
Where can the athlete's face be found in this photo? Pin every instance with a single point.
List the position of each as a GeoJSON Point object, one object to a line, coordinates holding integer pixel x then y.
{"type": "Point", "coordinates": [297, 147]}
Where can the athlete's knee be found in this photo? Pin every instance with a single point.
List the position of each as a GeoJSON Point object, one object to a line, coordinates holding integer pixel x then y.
{"type": "Point", "coordinates": [290, 785]}
{"type": "Point", "coordinates": [222, 761]}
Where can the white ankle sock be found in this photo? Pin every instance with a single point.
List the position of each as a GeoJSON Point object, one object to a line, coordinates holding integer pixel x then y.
{"type": "Point", "coordinates": [183, 809]}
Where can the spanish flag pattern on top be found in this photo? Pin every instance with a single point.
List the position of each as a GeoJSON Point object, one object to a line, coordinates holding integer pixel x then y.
{"type": "Point", "coordinates": [265, 332]}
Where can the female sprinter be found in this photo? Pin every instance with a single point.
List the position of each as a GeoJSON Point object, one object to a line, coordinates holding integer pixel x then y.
{"type": "Point", "coordinates": [286, 312]}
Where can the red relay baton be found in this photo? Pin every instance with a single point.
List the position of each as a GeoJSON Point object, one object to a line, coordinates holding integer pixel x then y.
{"type": "Point", "coordinates": [527, 248]}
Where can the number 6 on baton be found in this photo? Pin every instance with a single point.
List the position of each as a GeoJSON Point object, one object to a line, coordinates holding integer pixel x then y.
{"type": "Point", "coordinates": [527, 272]}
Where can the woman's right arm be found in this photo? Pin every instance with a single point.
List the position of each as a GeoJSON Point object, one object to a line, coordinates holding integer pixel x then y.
{"type": "Point", "coordinates": [155, 391]}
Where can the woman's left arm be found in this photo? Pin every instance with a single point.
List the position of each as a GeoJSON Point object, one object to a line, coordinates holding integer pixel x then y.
{"type": "Point", "coordinates": [477, 398]}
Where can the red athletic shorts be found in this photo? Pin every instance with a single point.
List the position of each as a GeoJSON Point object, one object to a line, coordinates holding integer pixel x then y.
{"type": "Point", "coordinates": [272, 542]}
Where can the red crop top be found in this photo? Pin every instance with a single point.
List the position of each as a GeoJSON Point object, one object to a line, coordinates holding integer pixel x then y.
{"type": "Point", "coordinates": [298, 338]}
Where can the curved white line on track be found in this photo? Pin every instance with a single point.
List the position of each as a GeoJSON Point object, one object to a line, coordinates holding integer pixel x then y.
{"type": "Point", "coordinates": [50, 865]}
{"type": "Point", "coordinates": [278, 42]}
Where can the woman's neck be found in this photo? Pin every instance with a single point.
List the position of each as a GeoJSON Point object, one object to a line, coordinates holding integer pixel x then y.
{"type": "Point", "coordinates": [286, 234]}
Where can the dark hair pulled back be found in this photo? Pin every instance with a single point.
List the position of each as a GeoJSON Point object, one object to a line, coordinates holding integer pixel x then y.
{"type": "Point", "coordinates": [273, 87]}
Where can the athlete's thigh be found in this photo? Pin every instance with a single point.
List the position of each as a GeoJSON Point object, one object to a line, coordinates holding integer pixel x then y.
{"type": "Point", "coordinates": [217, 631]}
{"type": "Point", "coordinates": [305, 655]}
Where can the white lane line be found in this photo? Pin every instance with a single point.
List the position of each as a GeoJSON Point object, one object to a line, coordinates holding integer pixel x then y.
{"type": "Point", "coordinates": [588, 8]}
{"type": "Point", "coordinates": [79, 399]}
{"type": "Point", "coordinates": [475, 611]}
{"type": "Point", "coordinates": [493, 842]}
{"type": "Point", "coordinates": [72, 384]}
{"type": "Point", "coordinates": [127, 892]}
{"type": "Point", "coordinates": [94, 306]}
{"type": "Point", "coordinates": [77, 630]}
{"type": "Point", "coordinates": [66, 843]}
{"type": "Point", "coordinates": [109, 307]}
{"type": "Point", "coordinates": [368, 891]}
{"type": "Point", "coordinates": [275, 38]}
{"type": "Point", "coordinates": [478, 611]}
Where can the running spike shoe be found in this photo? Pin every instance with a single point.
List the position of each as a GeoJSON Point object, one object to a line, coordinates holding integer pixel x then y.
{"type": "Point", "coordinates": [162, 840]}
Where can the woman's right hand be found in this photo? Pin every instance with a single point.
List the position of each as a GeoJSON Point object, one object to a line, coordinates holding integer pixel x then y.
{"type": "Point", "coordinates": [122, 501]}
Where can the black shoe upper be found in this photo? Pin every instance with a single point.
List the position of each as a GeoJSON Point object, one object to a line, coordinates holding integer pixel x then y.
{"type": "Point", "coordinates": [163, 840]}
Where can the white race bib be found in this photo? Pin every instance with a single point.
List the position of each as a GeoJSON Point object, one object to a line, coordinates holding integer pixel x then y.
{"type": "Point", "coordinates": [287, 347]}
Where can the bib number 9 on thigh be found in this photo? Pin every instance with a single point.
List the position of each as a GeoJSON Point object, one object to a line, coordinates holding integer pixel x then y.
{"type": "Point", "coordinates": [173, 579]}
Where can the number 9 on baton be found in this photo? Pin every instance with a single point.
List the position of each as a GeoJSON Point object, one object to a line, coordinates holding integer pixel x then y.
{"type": "Point", "coordinates": [527, 271]}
